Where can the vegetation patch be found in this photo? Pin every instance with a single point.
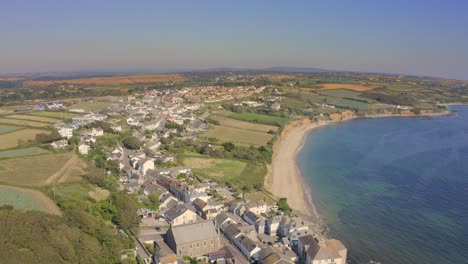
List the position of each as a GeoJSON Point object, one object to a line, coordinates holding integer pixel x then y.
{"type": "Point", "coordinates": [14, 139]}
{"type": "Point", "coordinates": [61, 115]}
{"type": "Point", "coordinates": [215, 168]}
{"type": "Point", "coordinates": [238, 135]}
{"type": "Point", "coordinates": [229, 122]}
{"type": "Point", "coordinates": [91, 106]}
{"type": "Point", "coordinates": [258, 118]}
{"type": "Point", "coordinates": [7, 129]}
{"type": "Point", "coordinates": [334, 86]}
{"type": "Point", "coordinates": [99, 194]}
{"type": "Point", "coordinates": [22, 152]}
{"type": "Point", "coordinates": [41, 170]}
{"type": "Point", "coordinates": [23, 122]}
{"type": "Point", "coordinates": [35, 118]}
{"type": "Point", "coordinates": [27, 199]}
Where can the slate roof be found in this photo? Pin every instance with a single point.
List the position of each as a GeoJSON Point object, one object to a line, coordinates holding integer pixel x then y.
{"type": "Point", "coordinates": [183, 234]}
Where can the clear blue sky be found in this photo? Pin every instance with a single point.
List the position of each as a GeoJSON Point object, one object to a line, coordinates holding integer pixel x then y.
{"type": "Point", "coordinates": [412, 36]}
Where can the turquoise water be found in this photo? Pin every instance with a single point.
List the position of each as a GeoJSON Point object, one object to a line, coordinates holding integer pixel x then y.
{"type": "Point", "coordinates": [393, 190]}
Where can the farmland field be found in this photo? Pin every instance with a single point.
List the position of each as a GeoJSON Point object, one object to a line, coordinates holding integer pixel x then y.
{"type": "Point", "coordinates": [23, 122]}
{"type": "Point", "coordinates": [27, 199]}
{"type": "Point", "coordinates": [11, 140]}
{"type": "Point", "coordinates": [229, 122]}
{"type": "Point", "coordinates": [7, 129]}
{"type": "Point", "coordinates": [114, 80]}
{"type": "Point", "coordinates": [238, 135]}
{"type": "Point", "coordinates": [257, 118]}
{"type": "Point", "coordinates": [41, 170]}
{"type": "Point", "coordinates": [334, 86]}
{"type": "Point", "coordinates": [61, 115]}
{"type": "Point", "coordinates": [351, 104]}
{"type": "Point", "coordinates": [91, 106]}
{"type": "Point", "coordinates": [35, 118]}
{"type": "Point", "coordinates": [22, 152]}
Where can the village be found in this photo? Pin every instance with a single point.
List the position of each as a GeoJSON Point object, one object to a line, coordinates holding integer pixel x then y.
{"type": "Point", "coordinates": [193, 219]}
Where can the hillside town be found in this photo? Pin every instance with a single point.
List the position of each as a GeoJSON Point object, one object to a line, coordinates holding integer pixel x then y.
{"type": "Point", "coordinates": [194, 218]}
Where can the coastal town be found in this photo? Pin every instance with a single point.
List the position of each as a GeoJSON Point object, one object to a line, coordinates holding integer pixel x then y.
{"type": "Point", "coordinates": [197, 173]}
{"type": "Point", "coordinates": [194, 218]}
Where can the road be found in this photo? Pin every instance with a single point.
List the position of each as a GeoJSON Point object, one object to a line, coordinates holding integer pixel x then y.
{"type": "Point", "coordinates": [240, 259]}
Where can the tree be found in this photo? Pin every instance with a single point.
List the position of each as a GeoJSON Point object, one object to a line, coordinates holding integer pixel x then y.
{"type": "Point", "coordinates": [283, 205]}
{"type": "Point", "coordinates": [126, 217]}
{"type": "Point", "coordinates": [132, 142]}
{"type": "Point", "coordinates": [229, 146]}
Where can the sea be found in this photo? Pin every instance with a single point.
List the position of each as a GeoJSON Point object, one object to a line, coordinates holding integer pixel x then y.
{"type": "Point", "coordinates": [393, 190]}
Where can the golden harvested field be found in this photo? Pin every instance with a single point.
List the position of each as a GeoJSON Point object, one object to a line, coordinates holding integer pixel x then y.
{"type": "Point", "coordinates": [35, 118]}
{"type": "Point", "coordinates": [335, 86]}
{"type": "Point", "coordinates": [11, 79]}
{"type": "Point", "coordinates": [41, 170]}
{"type": "Point", "coordinates": [23, 122]}
{"type": "Point", "coordinates": [99, 194]}
{"type": "Point", "coordinates": [229, 122]}
{"type": "Point", "coordinates": [11, 140]}
{"type": "Point", "coordinates": [238, 135]}
{"type": "Point", "coordinates": [114, 80]}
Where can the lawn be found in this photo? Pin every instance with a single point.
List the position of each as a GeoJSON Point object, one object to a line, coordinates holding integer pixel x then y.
{"type": "Point", "coordinates": [27, 199]}
{"type": "Point", "coordinates": [11, 140]}
{"type": "Point", "coordinates": [229, 122]}
{"type": "Point", "coordinates": [22, 152]}
{"type": "Point", "coordinates": [238, 135]}
{"type": "Point", "coordinates": [41, 170]}
{"type": "Point", "coordinates": [35, 118]}
{"type": "Point", "coordinates": [7, 129]}
{"type": "Point", "coordinates": [215, 168]}
{"type": "Point", "coordinates": [61, 115]}
{"type": "Point", "coordinates": [235, 172]}
{"type": "Point", "coordinates": [354, 87]}
{"type": "Point", "coordinates": [91, 106]}
{"type": "Point", "coordinates": [23, 122]}
{"type": "Point", "coordinates": [258, 118]}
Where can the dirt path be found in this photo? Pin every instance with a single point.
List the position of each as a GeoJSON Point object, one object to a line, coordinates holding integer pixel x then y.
{"type": "Point", "coordinates": [62, 174]}
{"type": "Point", "coordinates": [48, 204]}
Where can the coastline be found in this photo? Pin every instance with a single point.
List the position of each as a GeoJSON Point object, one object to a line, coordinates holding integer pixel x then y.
{"type": "Point", "coordinates": [284, 178]}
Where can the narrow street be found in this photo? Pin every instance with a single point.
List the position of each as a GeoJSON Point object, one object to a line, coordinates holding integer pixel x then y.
{"type": "Point", "coordinates": [238, 256]}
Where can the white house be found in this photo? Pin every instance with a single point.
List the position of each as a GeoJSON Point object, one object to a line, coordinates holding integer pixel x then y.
{"type": "Point", "coordinates": [83, 149]}
{"type": "Point", "coordinates": [97, 132]}
{"type": "Point", "coordinates": [65, 132]}
{"type": "Point", "coordinates": [59, 144]}
{"type": "Point", "coordinates": [144, 165]}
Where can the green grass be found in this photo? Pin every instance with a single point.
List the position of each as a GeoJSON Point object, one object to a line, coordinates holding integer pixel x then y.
{"type": "Point", "coordinates": [19, 199]}
{"type": "Point", "coordinates": [72, 191]}
{"type": "Point", "coordinates": [341, 93]}
{"type": "Point", "coordinates": [345, 103]}
{"type": "Point", "coordinates": [258, 118]}
{"type": "Point", "coordinates": [91, 106]}
{"type": "Point", "coordinates": [234, 172]}
{"type": "Point", "coordinates": [215, 168]}
{"type": "Point", "coordinates": [22, 152]}
{"type": "Point", "coordinates": [238, 135]}
{"type": "Point", "coordinates": [61, 115]}
{"type": "Point", "coordinates": [7, 129]}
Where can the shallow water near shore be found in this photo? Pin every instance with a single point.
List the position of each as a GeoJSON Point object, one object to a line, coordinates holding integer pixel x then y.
{"type": "Point", "coordinates": [394, 190]}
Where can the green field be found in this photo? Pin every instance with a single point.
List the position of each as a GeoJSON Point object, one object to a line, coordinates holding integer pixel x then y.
{"type": "Point", "coordinates": [235, 172]}
{"type": "Point", "coordinates": [346, 103]}
{"type": "Point", "coordinates": [91, 106]}
{"type": "Point", "coordinates": [258, 118]}
{"type": "Point", "coordinates": [61, 115]}
{"type": "Point", "coordinates": [341, 93]}
{"type": "Point", "coordinates": [7, 129]}
{"type": "Point", "coordinates": [22, 152]}
{"type": "Point", "coordinates": [238, 135]}
{"type": "Point", "coordinates": [229, 122]}
{"type": "Point", "coordinates": [19, 199]}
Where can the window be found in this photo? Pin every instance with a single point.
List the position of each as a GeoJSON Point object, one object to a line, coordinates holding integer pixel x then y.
{"type": "Point", "coordinates": [212, 241]}
{"type": "Point", "coordinates": [204, 243]}
{"type": "Point", "coordinates": [190, 246]}
{"type": "Point", "coordinates": [198, 244]}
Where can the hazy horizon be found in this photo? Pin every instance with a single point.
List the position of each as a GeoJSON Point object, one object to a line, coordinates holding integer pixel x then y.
{"type": "Point", "coordinates": [423, 38]}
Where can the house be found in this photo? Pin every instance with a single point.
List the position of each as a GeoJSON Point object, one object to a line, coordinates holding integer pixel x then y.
{"type": "Point", "coordinates": [116, 129]}
{"type": "Point", "coordinates": [288, 225]}
{"type": "Point", "coordinates": [97, 132]}
{"type": "Point", "coordinates": [65, 132]}
{"type": "Point", "coordinates": [256, 207]}
{"type": "Point", "coordinates": [193, 239]}
{"type": "Point", "coordinates": [223, 220]}
{"type": "Point", "coordinates": [275, 107]}
{"type": "Point", "coordinates": [164, 253]}
{"type": "Point", "coordinates": [180, 215]}
{"type": "Point", "coordinates": [168, 201]}
{"type": "Point", "coordinates": [59, 144]}
{"type": "Point", "coordinates": [249, 248]}
{"type": "Point", "coordinates": [312, 251]}
{"type": "Point", "coordinates": [272, 225]}
{"type": "Point", "coordinates": [83, 149]}
{"type": "Point", "coordinates": [251, 217]}
{"type": "Point", "coordinates": [269, 255]}
{"type": "Point", "coordinates": [224, 255]}
{"type": "Point", "coordinates": [144, 165]}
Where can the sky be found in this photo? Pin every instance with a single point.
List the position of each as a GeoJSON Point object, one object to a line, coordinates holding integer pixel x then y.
{"type": "Point", "coordinates": [409, 37]}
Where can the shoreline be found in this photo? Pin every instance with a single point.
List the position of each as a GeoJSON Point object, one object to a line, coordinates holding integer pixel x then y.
{"type": "Point", "coordinates": [284, 179]}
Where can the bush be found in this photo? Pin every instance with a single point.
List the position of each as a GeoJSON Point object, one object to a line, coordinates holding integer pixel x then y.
{"type": "Point", "coordinates": [132, 142]}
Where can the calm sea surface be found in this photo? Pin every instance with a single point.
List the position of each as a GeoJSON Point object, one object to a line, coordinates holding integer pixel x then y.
{"type": "Point", "coordinates": [393, 190]}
